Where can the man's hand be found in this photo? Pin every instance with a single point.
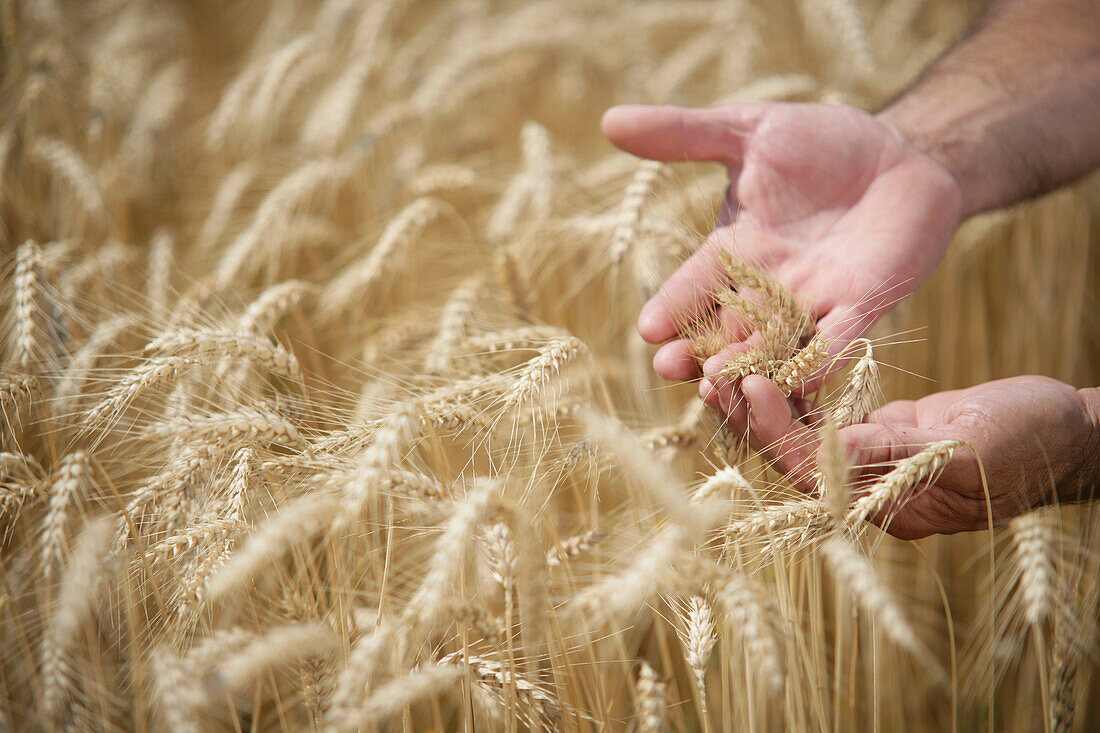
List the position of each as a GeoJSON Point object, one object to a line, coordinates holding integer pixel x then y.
{"type": "Point", "coordinates": [827, 200]}
{"type": "Point", "coordinates": [1038, 440]}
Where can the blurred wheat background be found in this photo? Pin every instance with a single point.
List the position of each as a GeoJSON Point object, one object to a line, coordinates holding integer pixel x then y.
{"type": "Point", "coordinates": [323, 408]}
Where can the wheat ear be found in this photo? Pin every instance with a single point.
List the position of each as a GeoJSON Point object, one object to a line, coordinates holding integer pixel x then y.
{"type": "Point", "coordinates": [279, 646]}
{"type": "Point", "coordinates": [1034, 557]}
{"type": "Point", "coordinates": [26, 338]}
{"type": "Point", "coordinates": [73, 479]}
{"type": "Point", "coordinates": [860, 391]}
{"type": "Point", "coordinates": [698, 635]}
{"type": "Point", "coordinates": [854, 572]}
{"type": "Point", "coordinates": [359, 277]}
{"type": "Point", "coordinates": [651, 701]}
{"type": "Point", "coordinates": [206, 342]}
{"type": "Point", "coordinates": [629, 216]}
{"type": "Point", "coordinates": [79, 592]}
{"type": "Point", "coordinates": [906, 474]}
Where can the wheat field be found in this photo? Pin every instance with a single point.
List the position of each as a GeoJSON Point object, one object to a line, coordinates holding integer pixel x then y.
{"type": "Point", "coordinates": [323, 407]}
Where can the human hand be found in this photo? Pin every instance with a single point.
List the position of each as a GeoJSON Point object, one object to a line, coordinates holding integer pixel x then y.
{"type": "Point", "coordinates": [1038, 440]}
{"type": "Point", "coordinates": [826, 200]}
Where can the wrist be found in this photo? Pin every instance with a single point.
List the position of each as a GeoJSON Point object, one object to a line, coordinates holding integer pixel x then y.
{"type": "Point", "coordinates": [945, 155]}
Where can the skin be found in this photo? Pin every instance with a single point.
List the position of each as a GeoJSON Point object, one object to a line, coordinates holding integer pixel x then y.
{"type": "Point", "coordinates": [852, 212]}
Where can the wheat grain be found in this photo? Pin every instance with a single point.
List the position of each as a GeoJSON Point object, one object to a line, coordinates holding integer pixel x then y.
{"type": "Point", "coordinates": [159, 280]}
{"type": "Point", "coordinates": [777, 299]}
{"type": "Point", "coordinates": [154, 373]}
{"type": "Point", "coordinates": [179, 695]}
{"type": "Point", "coordinates": [539, 707]}
{"type": "Point", "coordinates": [265, 311]}
{"type": "Point", "coordinates": [450, 551]}
{"type": "Point", "coordinates": [793, 373]}
{"type": "Point", "coordinates": [228, 196]}
{"type": "Point", "coordinates": [748, 614]}
{"type": "Point", "coordinates": [278, 208]}
{"type": "Point", "coordinates": [541, 369]}
{"type": "Point", "coordinates": [296, 521]}
{"type": "Point", "coordinates": [239, 426]}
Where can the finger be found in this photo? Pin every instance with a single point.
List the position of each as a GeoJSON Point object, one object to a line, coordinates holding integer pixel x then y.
{"type": "Point", "coordinates": [686, 295]}
{"type": "Point", "coordinates": [708, 393]}
{"type": "Point", "coordinates": [789, 445]}
{"type": "Point", "coordinates": [679, 134]}
{"type": "Point", "coordinates": [898, 412]}
{"type": "Point", "coordinates": [675, 362]}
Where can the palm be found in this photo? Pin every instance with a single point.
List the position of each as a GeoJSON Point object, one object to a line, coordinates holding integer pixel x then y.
{"type": "Point", "coordinates": [827, 200]}
{"type": "Point", "coordinates": [1030, 433]}
{"type": "Point", "coordinates": [1033, 437]}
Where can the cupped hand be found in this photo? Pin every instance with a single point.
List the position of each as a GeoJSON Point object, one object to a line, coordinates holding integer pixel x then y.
{"type": "Point", "coordinates": [1037, 440]}
{"type": "Point", "coordinates": [827, 200]}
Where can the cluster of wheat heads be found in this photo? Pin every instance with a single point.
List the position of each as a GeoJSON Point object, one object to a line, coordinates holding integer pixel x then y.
{"type": "Point", "coordinates": [322, 406]}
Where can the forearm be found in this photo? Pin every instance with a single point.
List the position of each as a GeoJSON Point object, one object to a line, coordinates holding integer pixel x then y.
{"type": "Point", "coordinates": [1013, 110]}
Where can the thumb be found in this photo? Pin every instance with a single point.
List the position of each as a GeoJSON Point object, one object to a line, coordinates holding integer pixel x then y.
{"type": "Point", "coordinates": [675, 134]}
